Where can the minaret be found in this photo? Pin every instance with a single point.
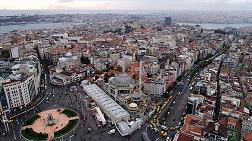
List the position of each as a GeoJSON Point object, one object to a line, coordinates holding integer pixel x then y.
{"type": "Point", "coordinates": [140, 76]}
{"type": "Point", "coordinates": [123, 67]}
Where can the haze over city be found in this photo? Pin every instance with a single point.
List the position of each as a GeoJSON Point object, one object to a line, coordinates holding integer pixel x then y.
{"type": "Point", "coordinates": [126, 70]}
{"type": "Point", "coordinates": [149, 5]}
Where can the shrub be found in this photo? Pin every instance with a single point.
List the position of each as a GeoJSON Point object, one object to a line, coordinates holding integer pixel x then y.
{"type": "Point", "coordinates": [70, 125]}
{"type": "Point", "coordinates": [69, 113]}
{"type": "Point", "coordinates": [28, 133]}
{"type": "Point", "coordinates": [31, 120]}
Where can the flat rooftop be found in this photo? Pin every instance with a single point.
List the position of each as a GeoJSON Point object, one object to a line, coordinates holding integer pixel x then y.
{"type": "Point", "coordinates": [109, 106]}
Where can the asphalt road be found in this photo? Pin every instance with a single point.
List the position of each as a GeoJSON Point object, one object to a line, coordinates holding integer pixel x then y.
{"type": "Point", "coordinates": [178, 108]}
{"type": "Point", "coordinates": [173, 111]}
{"type": "Point", "coordinates": [62, 97]}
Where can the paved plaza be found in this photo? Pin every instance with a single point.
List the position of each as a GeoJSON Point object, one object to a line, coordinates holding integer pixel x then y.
{"type": "Point", "coordinates": [50, 121]}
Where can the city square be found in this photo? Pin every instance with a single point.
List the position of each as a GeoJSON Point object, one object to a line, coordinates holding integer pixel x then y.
{"type": "Point", "coordinates": [135, 70]}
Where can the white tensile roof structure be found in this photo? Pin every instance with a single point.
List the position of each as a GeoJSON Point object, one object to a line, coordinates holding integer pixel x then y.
{"type": "Point", "coordinates": [112, 109]}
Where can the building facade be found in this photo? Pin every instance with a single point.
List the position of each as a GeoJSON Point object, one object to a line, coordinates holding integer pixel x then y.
{"type": "Point", "coordinates": [155, 87]}
{"type": "Point", "coordinates": [20, 92]}
{"type": "Point", "coordinates": [121, 87]}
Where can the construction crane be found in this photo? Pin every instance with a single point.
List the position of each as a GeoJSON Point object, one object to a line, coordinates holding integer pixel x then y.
{"type": "Point", "coordinates": [217, 106]}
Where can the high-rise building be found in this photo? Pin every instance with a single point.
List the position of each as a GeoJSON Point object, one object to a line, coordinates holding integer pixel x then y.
{"type": "Point", "coordinates": [20, 90]}
{"type": "Point", "coordinates": [22, 85]}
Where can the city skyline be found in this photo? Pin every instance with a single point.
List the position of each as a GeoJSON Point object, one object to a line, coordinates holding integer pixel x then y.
{"type": "Point", "coordinates": [225, 5]}
{"type": "Point", "coordinates": [135, 70]}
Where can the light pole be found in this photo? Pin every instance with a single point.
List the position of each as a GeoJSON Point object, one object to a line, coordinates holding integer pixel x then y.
{"type": "Point", "coordinates": [70, 138]}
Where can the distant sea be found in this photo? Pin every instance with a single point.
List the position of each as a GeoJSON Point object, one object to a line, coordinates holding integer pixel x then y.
{"type": "Point", "coordinates": [4, 29]}
{"type": "Point", "coordinates": [22, 27]}
{"type": "Point", "coordinates": [218, 26]}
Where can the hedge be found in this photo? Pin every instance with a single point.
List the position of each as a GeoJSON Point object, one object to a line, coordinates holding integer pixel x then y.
{"type": "Point", "coordinates": [31, 120]}
{"type": "Point", "coordinates": [69, 113]}
{"type": "Point", "coordinates": [28, 133]}
{"type": "Point", "coordinates": [70, 125]}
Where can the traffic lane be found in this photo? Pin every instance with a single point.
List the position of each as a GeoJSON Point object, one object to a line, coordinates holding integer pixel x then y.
{"type": "Point", "coordinates": [173, 118]}
{"type": "Point", "coordinates": [180, 88]}
{"type": "Point", "coordinates": [179, 107]}
{"type": "Point", "coordinates": [15, 126]}
{"type": "Point", "coordinates": [176, 117]}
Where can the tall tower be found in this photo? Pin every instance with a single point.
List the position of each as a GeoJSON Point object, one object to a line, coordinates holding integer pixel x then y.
{"type": "Point", "coordinates": [133, 61]}
{"type": "Point", "coordinates": [140, 76]}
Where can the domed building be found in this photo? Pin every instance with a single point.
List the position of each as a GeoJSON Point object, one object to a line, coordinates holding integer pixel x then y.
{"type": "Point", "coordinates": [133, 108]}
{"type": "Point", "coordinates": [121, 87]}
{"type": "Point", "coordinates": [68, 61]}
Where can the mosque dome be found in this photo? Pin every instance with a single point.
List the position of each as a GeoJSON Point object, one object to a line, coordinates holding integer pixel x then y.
{"type": "Point", "coordinates": [68, 54]}
{"type": "Point", "coordinates": [123, 79]}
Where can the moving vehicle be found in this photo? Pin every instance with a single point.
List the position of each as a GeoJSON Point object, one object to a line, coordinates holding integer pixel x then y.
{"type": "Point", "coordinates": [172, 128]}
{"type": "Point", "coordinates": [164, 127]}
{"type": "Point", "coordinates": [158, 108]}
{"type": "Point", "coordinates": [112, 131]}
{"type": "Point", "coordinates": [156, 130]}
{"type": "Point", "coordinates": [10, 120]}
{"type": "Point", "coordinates": [163, 133]}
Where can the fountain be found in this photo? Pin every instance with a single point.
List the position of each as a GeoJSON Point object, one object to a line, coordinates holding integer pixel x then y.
{"type": "Point", "coordinates": [51, 124]}
{"type": "Point", "coordinates": [50, 121]}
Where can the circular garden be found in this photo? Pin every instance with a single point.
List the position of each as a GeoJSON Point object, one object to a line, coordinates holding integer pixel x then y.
{"type": "Point", "coordinates": [49, 124]}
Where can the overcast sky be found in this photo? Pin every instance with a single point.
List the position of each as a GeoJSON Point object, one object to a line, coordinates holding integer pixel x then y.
{"type": "Point", "coordinates": [127, 4]}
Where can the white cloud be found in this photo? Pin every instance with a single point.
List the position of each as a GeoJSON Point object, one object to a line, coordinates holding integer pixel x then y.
{"type": "Point", "coordinates": [66, 1]}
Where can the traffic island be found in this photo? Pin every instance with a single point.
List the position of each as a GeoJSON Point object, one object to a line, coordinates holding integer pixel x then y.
{"type": "Point", "coordinates": [49, 124]}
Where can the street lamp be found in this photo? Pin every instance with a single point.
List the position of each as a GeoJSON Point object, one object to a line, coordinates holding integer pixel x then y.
{"type": "Point", "coordinates": [70, 138]}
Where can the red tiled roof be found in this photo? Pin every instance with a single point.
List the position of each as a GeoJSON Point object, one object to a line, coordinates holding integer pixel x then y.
{"type": "Point", "coordinates": [184, 137]}
{"type": "Point", "coordinates": [193, 125]}
{"type": "Point", "coordinates": [221, 130]}
{"type": "Point", "coordinates": [247, 137]}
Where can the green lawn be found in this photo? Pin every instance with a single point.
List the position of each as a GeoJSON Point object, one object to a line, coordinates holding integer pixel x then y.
{"type": "Point", "coordinates": [234, 136]}
{"type": "Point", "coordinates": [31, 120]}
{"type": "Point", "coordinates": [28, 133]}
{"type": "Point", "coordinates": [69, 113]}
{"type": "Point", "coordinates": [70, 125]}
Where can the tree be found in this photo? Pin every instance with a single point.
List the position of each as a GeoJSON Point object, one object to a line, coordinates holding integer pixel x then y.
{"type": "Point", "coordinates": [128, 29]}
{"type": "Point", "coordinates": [118, 68]}
{"type": "Point", "coordinates": [142, 26]}
{"type": "Point", "coordinates": [13, 40]}
{"type": "Point", "coordinates": [106, 78]}
{"type": "Point", "coordinates": [134, 76]}
{"type": "Point", "coordinates": [168, 21]}
{"type": "Point", "coordinates": [159, 28]}
{"type": "Point", "coordinates": [111, 74]}
{"type": "Point", "coordinates": [36, 48]}
{"type": "Point", "coordinates": [179, 78]}
{"type": "Point", "coordinates": [84, 60]}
